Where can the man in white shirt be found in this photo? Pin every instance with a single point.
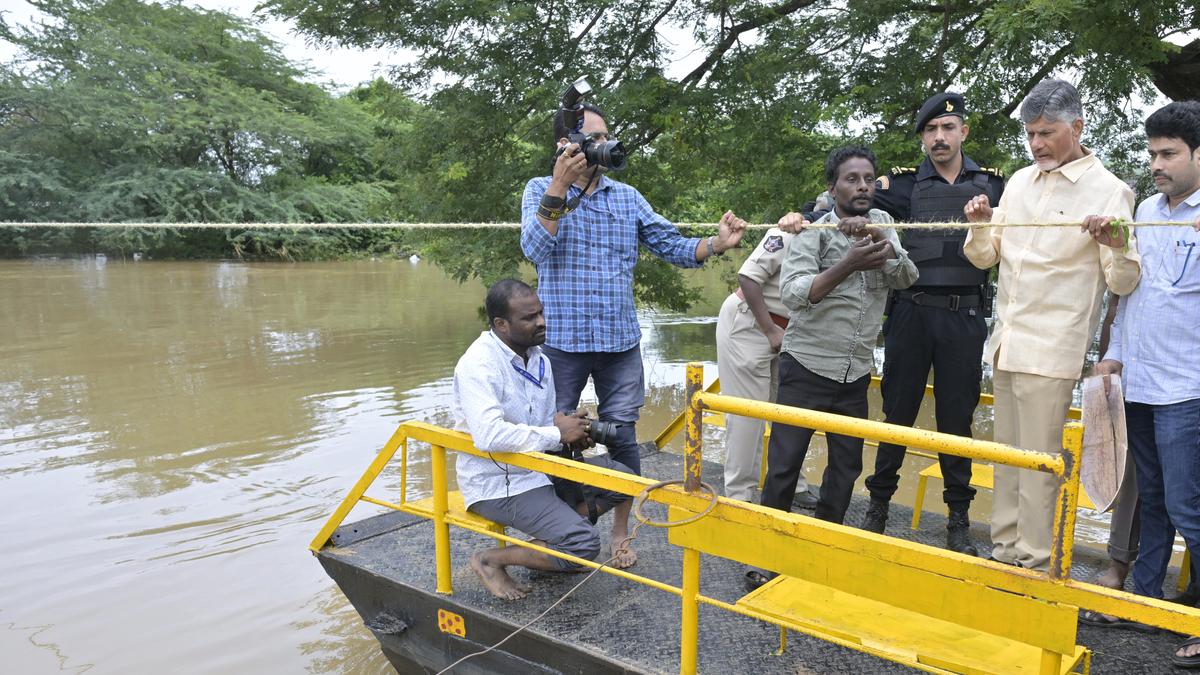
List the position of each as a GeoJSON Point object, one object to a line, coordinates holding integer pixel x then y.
{"type": "Point", "coordinates": [504, 397]}
{"type": "Point", "coordinates": [1152, 347]}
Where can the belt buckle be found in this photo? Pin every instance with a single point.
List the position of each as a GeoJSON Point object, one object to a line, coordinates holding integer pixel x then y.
{"type": "Point", "coordinates": [915, 298]}
{"type": "Point", "coordinates": [953, 302]}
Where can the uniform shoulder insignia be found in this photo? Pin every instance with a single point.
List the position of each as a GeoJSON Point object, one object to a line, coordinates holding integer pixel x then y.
{"type": "Point", "coordinates": [883, 183]}
{"type": "Point", "coordinates": [773, 243]}
{"type": "Point", "coordinates": [995, 172]}
{"type": "Point", "coordinates": [897, 170]}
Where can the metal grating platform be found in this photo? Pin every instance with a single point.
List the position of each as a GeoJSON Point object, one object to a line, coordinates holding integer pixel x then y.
{"type": "Point", "coordinates": [637, 627]}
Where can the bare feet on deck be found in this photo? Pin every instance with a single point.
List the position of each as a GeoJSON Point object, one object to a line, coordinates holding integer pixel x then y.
{"type": "Point", "coordinates": [1190, 650]}
{"type": "Point", "coordinates": [624, 556]}
{"type": "Point", "coordinates": [1114, 576]}
{"type": "Point", "coordinates": [496, 579]}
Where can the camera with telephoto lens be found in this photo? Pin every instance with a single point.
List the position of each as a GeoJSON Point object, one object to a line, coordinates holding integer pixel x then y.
{"type": "Point", "coordinates": [610, 153]}
{"type": "Point", "coordinates": [599, 431]}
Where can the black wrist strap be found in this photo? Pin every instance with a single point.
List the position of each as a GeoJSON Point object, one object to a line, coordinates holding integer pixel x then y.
{"type": "Point", "coordinates": [573, 202]}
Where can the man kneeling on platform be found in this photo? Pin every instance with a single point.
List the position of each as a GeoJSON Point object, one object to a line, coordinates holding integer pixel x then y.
{"type": "Point", "coordinates": [504, 398]}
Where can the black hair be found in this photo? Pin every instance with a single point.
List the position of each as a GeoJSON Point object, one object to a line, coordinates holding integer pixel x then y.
{"type": "Point", "coordinates": [1180, 119]}
{"type": "Point", "coordinates": [833, 164]}
{"type": "Point", "coordinates": [498, 302]}
{"type": "Point", "coordinates": [561, 130]}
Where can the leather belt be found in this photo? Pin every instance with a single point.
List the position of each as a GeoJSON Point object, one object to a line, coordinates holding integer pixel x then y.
{"type": "Point", "coordinates": [950, 302]}
{"type": "Point", "coordinates": [781, 321]}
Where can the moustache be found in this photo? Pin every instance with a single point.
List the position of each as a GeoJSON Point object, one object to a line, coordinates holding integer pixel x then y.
{"type": "Point", "coordinates": [940, 146]}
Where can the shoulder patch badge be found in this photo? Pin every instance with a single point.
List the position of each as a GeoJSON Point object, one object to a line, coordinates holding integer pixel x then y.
{"type": "Point", "coordinates": [773, 243]}
{"type": "Point", "coordinates": [883, 183]}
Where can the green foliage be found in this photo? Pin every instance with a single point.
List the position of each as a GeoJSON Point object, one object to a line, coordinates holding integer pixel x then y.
{"type": "Point", "coordinates": [127, 111]}
{"type": "Point", "coordinates": [122, 111]}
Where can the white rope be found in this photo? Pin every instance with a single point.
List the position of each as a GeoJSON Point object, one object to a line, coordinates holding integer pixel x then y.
{"type": "Point", "coordinates": [509, 226]}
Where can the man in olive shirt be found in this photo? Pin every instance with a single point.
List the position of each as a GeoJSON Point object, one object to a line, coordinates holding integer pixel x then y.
{"type": "Point", "coordinates": [834, 283]}
{"type": "Point", "coordinates": [1051, 283]}
{"type": "Point", "coordinates": [749, 334]}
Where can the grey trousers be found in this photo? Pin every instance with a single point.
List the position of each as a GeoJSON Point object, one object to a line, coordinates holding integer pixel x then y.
{"type": "Point", "coordinates": [540, 514]}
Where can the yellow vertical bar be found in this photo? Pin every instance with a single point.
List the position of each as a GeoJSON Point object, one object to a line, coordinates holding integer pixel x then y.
{"type": "Point", "coordinates": [441, 530]}
{"type": "Point", "coordinates": [1067, 500]}
{"type": "Point", "coordinates": [1051, 663]}
{"type": "Point", "coordinates": [694, 427]}
{"type": "Point", "coordinates": [359, 489]}
{"type": "Point", "coordinates": [689, 634]}
{"type": "Point", "coordinates": [404, 470]}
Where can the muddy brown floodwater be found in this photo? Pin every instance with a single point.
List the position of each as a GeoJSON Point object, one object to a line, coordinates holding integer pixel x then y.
{"type": "Point", "coordinates": [172, 436]}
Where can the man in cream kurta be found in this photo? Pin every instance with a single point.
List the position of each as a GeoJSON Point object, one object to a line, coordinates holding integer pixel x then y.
{"type": "Point", "coordinates": [1051, 283]}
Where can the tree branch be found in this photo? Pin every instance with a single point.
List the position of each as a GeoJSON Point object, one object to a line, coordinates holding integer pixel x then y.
{"type": "Point", "coordinates": [1051, 63]}
{"type": "Point", "coordinates": [640, 41]}
{"type": "Point", "coordinates": [761, 19]}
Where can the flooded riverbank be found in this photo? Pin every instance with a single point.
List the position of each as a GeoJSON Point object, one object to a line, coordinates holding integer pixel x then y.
{"type": "Point", "coordinates": [172, 435]}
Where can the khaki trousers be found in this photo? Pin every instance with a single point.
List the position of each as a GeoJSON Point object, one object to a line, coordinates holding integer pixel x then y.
{"type": "Point", "coordinates": [1030, 412]}
{"type": "Point", "coordinates": [748, 369]}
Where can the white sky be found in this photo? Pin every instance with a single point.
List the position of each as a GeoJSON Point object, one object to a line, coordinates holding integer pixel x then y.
{"type": "Point", "coordinates": [344, 67]}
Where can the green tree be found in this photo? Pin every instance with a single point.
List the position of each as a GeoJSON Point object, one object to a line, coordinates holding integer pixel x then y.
{"type": "Point", "coordinates": [123, 111]}
{"type": "Point", "coordinates": [776, 86]}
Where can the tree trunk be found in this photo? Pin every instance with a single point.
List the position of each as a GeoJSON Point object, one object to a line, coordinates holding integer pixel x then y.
{"type": "Point", "coordinates": [1179, 76]}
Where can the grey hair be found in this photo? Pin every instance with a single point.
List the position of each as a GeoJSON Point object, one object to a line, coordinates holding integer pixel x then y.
{"type": "Point", "coordinates": [1054, 100]}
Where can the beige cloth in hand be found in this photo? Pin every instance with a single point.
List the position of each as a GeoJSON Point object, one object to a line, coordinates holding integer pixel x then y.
{"type": "Point", "coordinates": [1105, 444]}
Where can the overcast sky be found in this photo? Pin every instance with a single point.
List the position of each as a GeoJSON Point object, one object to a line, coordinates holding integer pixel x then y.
{"type": "Point", "coordinates": [343, 67]}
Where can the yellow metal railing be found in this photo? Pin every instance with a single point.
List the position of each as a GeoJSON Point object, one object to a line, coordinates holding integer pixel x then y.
{"type": "Point", "coordinates": [675, 426]}
{"type": "Point", "coordinates": [1056, 586]}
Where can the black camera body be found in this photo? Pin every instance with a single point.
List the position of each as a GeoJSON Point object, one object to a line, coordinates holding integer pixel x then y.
{"type": "Point", "coordinates": [599, 431]}
{"type": "Point", "coordinates": [610, 153]}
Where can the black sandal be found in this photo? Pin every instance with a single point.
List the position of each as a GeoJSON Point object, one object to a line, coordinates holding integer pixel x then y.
{"type": "Point", "coordinates": [756, 578]}
{"type": "Point", "coordinates": [1192, 661]}
{"type": "Point", "coordinates": [1092, 618]}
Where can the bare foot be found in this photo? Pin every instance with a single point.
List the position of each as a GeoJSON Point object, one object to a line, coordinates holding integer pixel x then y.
{"type": "Point", "coordinates": [1188, 650]}
{"type": "Point", "coordinates": [496, 579]}
{"type": "Point", "coordinates": [1114, 576]}
{"type": "Point", "coordinates": [623, 554]}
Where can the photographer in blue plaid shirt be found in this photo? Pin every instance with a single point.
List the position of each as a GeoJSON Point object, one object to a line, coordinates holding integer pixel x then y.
{"type": "Point", "coordinates": [585, 257]}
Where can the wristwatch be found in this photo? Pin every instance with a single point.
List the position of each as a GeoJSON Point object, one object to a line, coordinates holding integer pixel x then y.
{"type": "Point", "coordinates": [554, 203]}
{"type": "Point", "coordinates": [712, 250]}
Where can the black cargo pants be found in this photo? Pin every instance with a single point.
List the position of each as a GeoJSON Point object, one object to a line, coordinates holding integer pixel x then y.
{"type": "Point", "coordinates": [951, 342]}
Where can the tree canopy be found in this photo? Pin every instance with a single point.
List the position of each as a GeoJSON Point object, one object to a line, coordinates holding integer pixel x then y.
{"type": "Point", "coordinates": [122, 110]}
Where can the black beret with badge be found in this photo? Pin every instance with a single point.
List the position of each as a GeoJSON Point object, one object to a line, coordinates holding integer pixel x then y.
{"type": "Point", "coordinates": [945, 103]}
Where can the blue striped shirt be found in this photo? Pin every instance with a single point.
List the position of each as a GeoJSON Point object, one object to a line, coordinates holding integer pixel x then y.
{"type": "Point", "coordinates": [1155, 334]}
{"type": "Point", "coordinates": [585, 272]}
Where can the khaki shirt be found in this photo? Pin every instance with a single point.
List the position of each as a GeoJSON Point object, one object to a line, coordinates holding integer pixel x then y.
{"type": "Point", "coordinates": [835, 338]}
{"type": "Point", "coordinates": [764, 264]}
{"type": "Point", "coordinates": [1052, 279]}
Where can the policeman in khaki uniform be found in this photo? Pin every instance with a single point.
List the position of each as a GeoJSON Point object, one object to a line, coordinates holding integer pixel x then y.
{"type": "Point", "coordinates": [749, 333]}
{"type": "Point", "coordinates": [939, 321]}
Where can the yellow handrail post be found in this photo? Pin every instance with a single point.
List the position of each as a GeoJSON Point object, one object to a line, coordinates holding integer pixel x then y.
{"type": "Point", "coordinates": [689, 632]}
{"type": "Point", "coordinates": [441, 528]}
{"type": "Point", "coordinates": [1067, 500]}
{"type": "Point", "coordinates": [404, 470]}
{"type": "Point", "coordinates": [694, 421]}
{"type": "Point", "coordinates": [1051, 662]}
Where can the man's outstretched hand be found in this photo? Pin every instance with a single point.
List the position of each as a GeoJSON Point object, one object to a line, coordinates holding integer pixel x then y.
{"type": "Point", "coordinates": [731, 229]}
